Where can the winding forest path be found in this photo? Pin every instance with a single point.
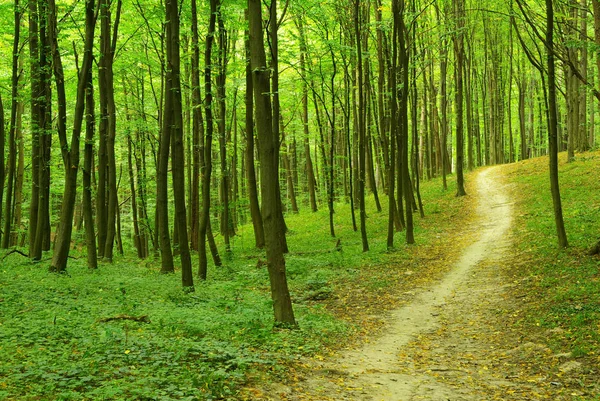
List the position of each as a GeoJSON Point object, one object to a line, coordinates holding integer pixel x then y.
{"type": "Point", "coordinates": [440, 346]}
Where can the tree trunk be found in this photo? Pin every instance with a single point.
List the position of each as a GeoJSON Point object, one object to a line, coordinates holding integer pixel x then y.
{"type": "Point", "coordinates": [552, 128]}
{"type": "Point", "coordinates": [175, 125]}
{"type": "Point", "coordinates": [282, 304]}
{"type": "Point", "coordinates": [197, 130]}
{"type": "Point", "coordinates": [207, 156]}
{"type": "Point", "coordinates": [443, 102]}
{"type": "Point", "coordinates": [404, 62]}
{"type": "Point", "coordinates": [310, 174]}
{"type": "Point", "coordinates": [361, 124]}
{"type": "Point", "coordinates": [226, 222]}
{"type": "Point", "coordinates": [12, 144]}
{"type": "Point", "coordinates": [255, 215]}
{"type": "Point", "coordinates": [162, 204]}
{"type": "Point", "coordinates": [459, 57]}
{"type": "Point", "coordinates": [274, 47]}
{"type": "Point", "coordinates": [70, 154]}
{"type": "Point", "coordinates": [88, 171]}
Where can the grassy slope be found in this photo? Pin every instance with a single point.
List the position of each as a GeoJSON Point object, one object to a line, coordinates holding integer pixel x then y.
{"type": "Point", "coordinates": [206, 345]}
{"type": "Point", "coordinates": [561, 303]}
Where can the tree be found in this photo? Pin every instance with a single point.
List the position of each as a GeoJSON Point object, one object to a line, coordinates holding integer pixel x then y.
{"type": "Point", "coordinates": [12, 144]}
{"type": "Point", "coordinates": [41, 119]}
{"type": "Point", "coordinates": [207, 163]}
{"type": "Point", "coordinates": [268, 154]}
{"type": "Point", "coordinates": [552, 128]}
{"type": "Point", "coordinates": [88, 217]}
{"type": "Point", "coordinates": [361, 123]}
{"type": "Point", "coordinates": [69, 152]}
{"type": "Point", "coordinates": [107, 202]}
{"type": "Point", "coordinates": [459, 56]}
{"type": "Point", "coordinates": [255, 215]}
{"type": "Point", "coordinates": [173, 121]}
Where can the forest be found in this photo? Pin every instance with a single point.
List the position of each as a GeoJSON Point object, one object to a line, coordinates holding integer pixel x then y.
{"type": "Point", "coordinates": [197, 136]}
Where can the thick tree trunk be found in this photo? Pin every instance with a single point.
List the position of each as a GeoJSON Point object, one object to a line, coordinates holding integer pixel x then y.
{"type": "Point", "coordinates": [282, 304]}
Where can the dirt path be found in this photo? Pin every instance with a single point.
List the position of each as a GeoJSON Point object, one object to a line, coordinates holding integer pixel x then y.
{"type": "Point", "coordinates": [433, 348]}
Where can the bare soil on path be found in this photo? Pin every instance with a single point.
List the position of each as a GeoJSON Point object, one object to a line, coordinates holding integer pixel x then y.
{"type": "Point", "coordinates": [455, 340]}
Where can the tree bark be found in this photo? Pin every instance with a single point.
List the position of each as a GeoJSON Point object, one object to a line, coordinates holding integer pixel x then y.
{"type": "Point", "coordinates": [70, 152]}
{"type": "Point", "coordinates": [255, 215]}
{"type": "Point", "coordinates": [459, 57]}
{"type": "Point", "coordinates": [552, 128]}
{"type": "Point", "coordinates": [268, 146]}
{"type": "Point", "coordinates": [12, 144]}
{"type": "Point", "coordinates": [175, 122]}
{"type": "Point", "coordinates": [88, 171]}
{"type": "Point", "coordinates": [197, 131]}
{"type": "Point", "coordinates": [361, 124]}
{"type": "Point", "coordinates": [205, 215]}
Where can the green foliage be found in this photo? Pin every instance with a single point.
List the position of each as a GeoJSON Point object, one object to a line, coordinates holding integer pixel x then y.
{"type": "Point", "coordinates": [565, 282]}
{"type": "Point", "coordinates": [197, 346]}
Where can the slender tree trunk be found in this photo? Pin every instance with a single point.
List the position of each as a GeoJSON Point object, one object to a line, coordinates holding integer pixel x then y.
{"type": "Point", "coordinates": [162, 205]}
{"type": "Point", "coordinates": [552, 128]}
{"type": "Point", "coordinates": [88, 171]}
{"type": "Point", "coordinates": [361, 124]}
{"type": "Point", "coordinates": [393, 83]}
{"type": "Point", "coordinates": [197, 131]}
{"type": "Point", "coordinates": [226, 224]}
{"type": "Point", "coordinates": [404, 135]}
{"type": "Point", "coordinates": [18, 198]}
{"type": "Point", "coordinates": [274, 53]}
{"type": "Point", "coordinates": [12, 145]}
{"type": "Point", "coordinates": [70, 154]}
{"type": "Point", "coordinates": [458, 76]}
{"type": "Point", "coordinates": [36, 90]}
{"type": "Point", "coordinates": [175, 125]}
{"type": "Point", "coordinates": [255, 215]}
{"type": "Point", "coordinates": [310, 175]}
{"type": "Point", "coordinates": [41, 240]}
{"type": "Point", "coordinates": [443, 102]}
{"type": "Point", "coordinates": [287, 165]}
{"type": "Point", "coordinates": [2, 176]}
{"type": "Point", "coordinates": [205, 215]}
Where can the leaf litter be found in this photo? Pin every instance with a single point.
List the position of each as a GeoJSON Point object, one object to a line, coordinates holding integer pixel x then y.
{"type": "Point", "coordinates": [448, 327]}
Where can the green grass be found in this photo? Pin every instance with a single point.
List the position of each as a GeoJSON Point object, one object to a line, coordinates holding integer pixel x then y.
{"type": "Point", "coordinates": [565, 283]}
{"type": "Point", "coordinates": [198, 346]}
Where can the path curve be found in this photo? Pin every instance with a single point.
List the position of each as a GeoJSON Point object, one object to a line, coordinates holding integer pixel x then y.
{"type": "Point", "coordinates": [372, 372]}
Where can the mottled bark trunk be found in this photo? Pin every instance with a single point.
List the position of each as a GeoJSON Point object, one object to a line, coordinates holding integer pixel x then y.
{"type": "Point", "coordinates": [282, 304]}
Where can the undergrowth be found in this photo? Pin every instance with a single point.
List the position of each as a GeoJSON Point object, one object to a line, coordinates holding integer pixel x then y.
{"type": "Point", "coordinates": [206, 344]}
{"type": "Point", "coordinates": [564, 288]}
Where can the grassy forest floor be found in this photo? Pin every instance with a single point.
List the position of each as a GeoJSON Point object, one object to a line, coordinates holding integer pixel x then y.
{"type": "Point", "coordinates": [541, 332]}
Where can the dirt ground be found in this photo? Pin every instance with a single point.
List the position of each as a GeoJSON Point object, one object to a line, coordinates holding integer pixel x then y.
{"type": "Point", "coordinates": [455, 339]}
